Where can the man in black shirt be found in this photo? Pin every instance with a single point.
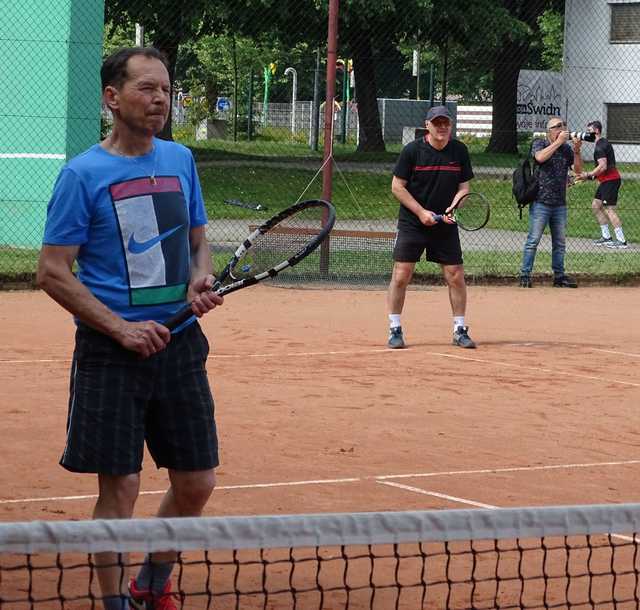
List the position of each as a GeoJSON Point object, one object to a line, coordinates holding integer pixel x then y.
{"type": "Point", "coordinates": [606, 197]}
{"type": "Point", "coordinates": [431, 174]}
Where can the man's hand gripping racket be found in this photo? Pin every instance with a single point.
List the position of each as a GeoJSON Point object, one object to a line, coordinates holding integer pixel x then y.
{"type": "Point", "coordinates": [470, 212]}
{"type": "Point", "coordinates": [280, 242]}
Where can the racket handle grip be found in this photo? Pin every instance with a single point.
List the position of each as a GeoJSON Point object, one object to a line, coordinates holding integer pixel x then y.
{"type": "Point", "coordinates": [178, 318]}
{"type": "Point", "coordinates": [438, 217]}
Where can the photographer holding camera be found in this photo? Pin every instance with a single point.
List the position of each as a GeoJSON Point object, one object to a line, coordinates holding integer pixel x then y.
{"type": "Point", "coordinates": [606, 196]}
{"type": "Point", "coordinates": [554, 158]}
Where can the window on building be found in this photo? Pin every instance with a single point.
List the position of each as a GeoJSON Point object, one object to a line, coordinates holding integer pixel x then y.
{"type": "Point", "coordinates": [625, 22]}
{"type": "Point", "coordinates": [623, 123]}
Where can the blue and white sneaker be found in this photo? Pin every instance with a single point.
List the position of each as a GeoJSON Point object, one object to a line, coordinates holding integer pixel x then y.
{"type": "Point", "coordinates": [461, 338]}
{"type": "Point", "coordinates": [396, 340]}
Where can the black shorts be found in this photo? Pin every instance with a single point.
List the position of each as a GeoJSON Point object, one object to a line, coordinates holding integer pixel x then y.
{"type": "Point", "coordinates": [441, 242]}
{"type": "Point", "coordinates": [118, 400]}
{"type": "Point", "coordinates": [608, 192]}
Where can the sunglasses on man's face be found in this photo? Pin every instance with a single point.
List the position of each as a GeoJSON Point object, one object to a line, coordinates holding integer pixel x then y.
{"type": "Point", "coordinates": [557, 126]}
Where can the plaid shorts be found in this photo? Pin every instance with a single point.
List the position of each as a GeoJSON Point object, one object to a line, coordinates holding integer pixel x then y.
{"type": "Point", "coordinates": [119, 400]}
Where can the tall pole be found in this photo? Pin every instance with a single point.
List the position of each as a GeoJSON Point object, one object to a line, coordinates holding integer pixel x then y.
{"type": "Point", "coordinates": [294, 95]}
{"type": "Point", "coordinates": [345, 103]}
{"type": "Point", "coordinates": [250, 108]}
{"type": "Point", "coordinates": [332, 57]}
{"type": "Point", "coordinates": [327, 167]}
{"type": "Point", "coordinates": [315, 116]}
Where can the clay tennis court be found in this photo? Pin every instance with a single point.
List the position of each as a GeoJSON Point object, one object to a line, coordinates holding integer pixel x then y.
{"type": "Point", "coordinates": [316, 415]}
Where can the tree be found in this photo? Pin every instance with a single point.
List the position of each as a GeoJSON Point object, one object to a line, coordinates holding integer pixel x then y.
{"type": "Point", "coordinates": [516, 43]}
{"type": "Point", "coordinates": [167, 23]}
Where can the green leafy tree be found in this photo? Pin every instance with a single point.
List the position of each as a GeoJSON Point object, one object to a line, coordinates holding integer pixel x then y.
{"type": "Point", "coordinates": [551, 25]}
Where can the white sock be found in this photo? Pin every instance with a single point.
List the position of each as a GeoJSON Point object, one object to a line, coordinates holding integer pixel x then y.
{"type": "Point", "coordinates": [619, 234]}
{"type": "Point", "coordinates": [394, 320]}
{"type": "Point", "coordinates": [457, 321]}
{"type": "Point", "coordinates": [605, 231]}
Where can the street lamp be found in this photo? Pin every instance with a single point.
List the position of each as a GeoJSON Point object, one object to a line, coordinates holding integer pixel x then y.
{"type": "Point", "coordinates": [294, 73]}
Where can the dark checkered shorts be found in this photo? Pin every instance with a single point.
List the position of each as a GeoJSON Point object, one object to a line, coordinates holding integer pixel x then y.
{"type": "Point", "coordinates": [118, 400]}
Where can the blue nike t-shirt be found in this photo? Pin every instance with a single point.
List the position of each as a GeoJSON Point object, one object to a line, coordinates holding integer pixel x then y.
{"type": "Point", "coordinates": [130, 217]}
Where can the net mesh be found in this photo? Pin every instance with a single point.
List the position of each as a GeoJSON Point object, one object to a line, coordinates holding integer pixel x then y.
{"type": "Point", "coordinates": [555, 557]}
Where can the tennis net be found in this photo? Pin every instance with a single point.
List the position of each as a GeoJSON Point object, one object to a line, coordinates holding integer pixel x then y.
{"type": "Point", "coordinates": [552, 557]}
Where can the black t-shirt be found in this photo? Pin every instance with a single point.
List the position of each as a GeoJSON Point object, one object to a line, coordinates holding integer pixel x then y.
{"type": "Point", "coordinates": [604, 150]}
{"type": "Point", "coordinates": [432, 176]}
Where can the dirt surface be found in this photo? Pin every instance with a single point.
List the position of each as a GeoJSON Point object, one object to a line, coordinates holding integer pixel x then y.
{"type": "Point", "coordinates": [315, 414]}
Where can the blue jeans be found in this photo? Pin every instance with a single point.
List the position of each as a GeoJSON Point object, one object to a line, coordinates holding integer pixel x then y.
{"type": "Point", "coordinates": [540, 215]}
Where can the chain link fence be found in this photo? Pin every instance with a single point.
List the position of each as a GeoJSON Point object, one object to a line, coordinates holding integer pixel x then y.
{"type": "Point", "coordinates": [249, 95]}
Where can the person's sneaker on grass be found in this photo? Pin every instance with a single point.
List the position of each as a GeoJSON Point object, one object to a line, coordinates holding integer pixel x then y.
{"type": "Point", "coordinates": [602, 241]}
{"type": "Point", "coordinates": [396, 339]}
{"type": "Point", "coordinates": [564, 281]}
{"type": "Point", "coordinates": [461, 338]}
{"type": "Point", "coordinates": [147, 600]}
{"type": "Point", "coordinates": [616, 244]}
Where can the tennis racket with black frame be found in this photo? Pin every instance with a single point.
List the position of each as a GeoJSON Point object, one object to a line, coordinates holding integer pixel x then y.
{"type": "Point", "coordinates": [278, 243]}
{"type": "Point", "coordinates": [471, 212]}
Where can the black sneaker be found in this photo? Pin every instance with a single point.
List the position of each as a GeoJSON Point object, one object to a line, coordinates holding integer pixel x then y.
{"type": "Point", "coordinates": [461, 338]}
{"type": "Point", "coordinates": [525, 282]}
{"type": "Point", "coordinates": [603, 241]}
{"type": "Point", "coordinates": [396, 340]}
{"type": "Point", "coordinates": [564, 282]}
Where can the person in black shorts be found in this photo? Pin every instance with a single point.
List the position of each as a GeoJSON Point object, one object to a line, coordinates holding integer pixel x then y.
{"type": "Point", "coordinates": [430, 175]}
{"type": "Point", "coordinates": [606, 197]}
{"type": "Point", "coordinates": [129, 212]}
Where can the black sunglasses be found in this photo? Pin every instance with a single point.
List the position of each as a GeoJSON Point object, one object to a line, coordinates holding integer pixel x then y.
{"type": "Point", "coordinates": [557, 125]}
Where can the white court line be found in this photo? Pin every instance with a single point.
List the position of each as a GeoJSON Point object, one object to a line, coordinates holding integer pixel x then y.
{"type": "Point", "coordinates": [537, 369]}
{"type": "Point", "coordinates": [388, 352]}
{"type": "Point", "coordinates": [611, 351]}
{"type": "Point", "coordinates": [218, 488]}
{"type": "Point", "coordinates": [435, 494]}
{"type": "Point", "coordinates": [509, 469]}
{"type": "Point", "coordinates": [468, 502]}
{"type": "Point", "coordinates": [33, 156]}
{"type": "Point", "coordinates": [450, 473]}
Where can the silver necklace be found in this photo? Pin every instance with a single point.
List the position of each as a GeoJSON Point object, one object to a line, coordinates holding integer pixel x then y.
{"type": "Point", "coordinates": [136, 159]}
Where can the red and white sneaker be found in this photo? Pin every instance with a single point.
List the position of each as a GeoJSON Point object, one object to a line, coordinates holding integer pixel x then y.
{"type": "Point", "coordinates": [146, 600]}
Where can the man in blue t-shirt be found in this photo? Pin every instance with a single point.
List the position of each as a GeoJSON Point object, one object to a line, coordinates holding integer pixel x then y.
{"type": "Point", "coordinates": [129, 212]}
{"type": "Point", "coordinates": [554, 157]}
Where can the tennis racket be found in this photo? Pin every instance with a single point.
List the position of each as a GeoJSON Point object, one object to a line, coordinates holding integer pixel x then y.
{"type": "Point", "coordinates": [247, 206]}
{"type": "Point", "coordinates": [471, 212]}
{"type": "Point", "coordinates": [280, 242]}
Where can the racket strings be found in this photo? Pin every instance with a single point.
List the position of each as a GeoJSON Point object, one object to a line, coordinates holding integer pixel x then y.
{"type": "Point", "coordinates": [279, 243]}
{"type": "Point", "coordinates": [472, 212]}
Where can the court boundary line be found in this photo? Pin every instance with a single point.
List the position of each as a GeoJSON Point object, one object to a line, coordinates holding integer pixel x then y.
{"type": "Point", "coordinates": [376, 478]}
{"type": "Point", "coordinates": [498, 364]}
{"type": "Point", "coordinates": [468, 502]}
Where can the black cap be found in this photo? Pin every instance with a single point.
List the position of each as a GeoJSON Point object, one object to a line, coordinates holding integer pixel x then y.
{"type": "Point", "coordinates": [438, 111]}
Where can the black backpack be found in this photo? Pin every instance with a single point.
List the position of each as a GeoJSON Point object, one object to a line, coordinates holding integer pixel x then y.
{"type": "Point", "coordinates": [525, 183]}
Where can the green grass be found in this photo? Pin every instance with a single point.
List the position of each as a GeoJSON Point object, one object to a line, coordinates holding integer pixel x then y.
{"type": "Point", "coordinates": [366, 195]}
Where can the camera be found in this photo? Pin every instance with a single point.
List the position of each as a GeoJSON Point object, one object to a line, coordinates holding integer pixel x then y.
{"type": "Point", "coordinates": [585, 136]}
